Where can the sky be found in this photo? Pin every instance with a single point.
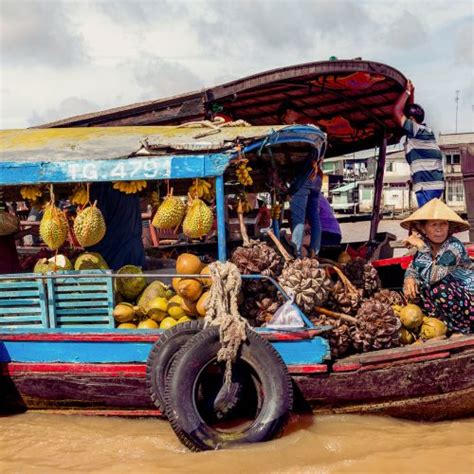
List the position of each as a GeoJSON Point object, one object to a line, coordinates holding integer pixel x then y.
{"type": "Point", "coordinates": [64, 58]}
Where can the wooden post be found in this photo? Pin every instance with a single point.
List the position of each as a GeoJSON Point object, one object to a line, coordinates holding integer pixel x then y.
{"type": "Point", "coordinates": [220, 213]}
{"type": "Point", "coordinates": [378, 189]}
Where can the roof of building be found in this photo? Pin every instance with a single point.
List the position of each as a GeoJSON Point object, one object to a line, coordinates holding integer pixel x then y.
{"type": "Point", "coordinates": [345, 188]}
{"type": "Point", "coordinates": [465, 138]}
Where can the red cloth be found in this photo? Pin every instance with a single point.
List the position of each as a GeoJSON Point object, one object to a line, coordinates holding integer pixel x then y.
{"type": "Point", "coordinates": [9, 262]}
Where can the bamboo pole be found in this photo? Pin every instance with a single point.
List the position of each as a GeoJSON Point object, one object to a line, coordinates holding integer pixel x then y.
{"type": "Point", "coordinates": [279, 246]}
{"type": "Point", "coordinates": [333, 314]}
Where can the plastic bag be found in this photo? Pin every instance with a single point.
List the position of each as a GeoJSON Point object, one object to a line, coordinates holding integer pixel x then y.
{"type": "Point", "coordinates": [287, 316]}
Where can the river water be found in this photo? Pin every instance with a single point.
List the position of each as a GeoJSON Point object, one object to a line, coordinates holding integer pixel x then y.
{"type": "Point", "coordinates": [310, 445]}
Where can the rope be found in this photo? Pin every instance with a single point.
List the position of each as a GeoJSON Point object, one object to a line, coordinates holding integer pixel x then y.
{"type": "Point", "coordinates": [222, 310]}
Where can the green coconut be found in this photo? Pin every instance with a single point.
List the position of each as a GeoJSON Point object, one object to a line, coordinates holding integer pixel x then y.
{"type": "Point", "coordinates": [130, 287]}
{"type": "Point", "coordinates": [155, 289]}
{"type": "Point", "coordinates": [90, 261]}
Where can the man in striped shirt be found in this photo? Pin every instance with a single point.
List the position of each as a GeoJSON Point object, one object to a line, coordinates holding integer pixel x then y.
{"type": "Point", "coordinates": [421, 150]}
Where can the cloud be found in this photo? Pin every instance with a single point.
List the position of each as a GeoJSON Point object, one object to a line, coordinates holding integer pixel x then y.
{"type": "Point", "coordinates": [160, 78]}
{"type": "Point", "coordinates": [406, 32]}
{"type": "Point", "coordinates": [38, 33]}
{"type": "Point", "coordinates": [463, 46]}
{"type": "Point", "coordinates": [67, 108]}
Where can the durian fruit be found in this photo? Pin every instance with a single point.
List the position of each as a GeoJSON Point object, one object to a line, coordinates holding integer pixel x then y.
{"type": "Point", "coordinates": [130, 287]}
{"type": "Point", "coordinates": [308, 282]}
{"type": "Point", "coordinates": [170, 213]}
{"type": "Point", "coordinates": [53, 264]}
{"type": "Point", "coordinates": [90, 261]}
{"type": "Point", "coordinates": [377, 327]}
{"type": "Point", "coordinates": [198, 220]}
{"type": "Point", "coordinates": [390, 297]}
{"type": "Point", "coordinates": [339, 337]}
{"type": "Point", "coordinates": [363, 276]}
{"type": "Point", "coordinates": [89, 226]}
{"type": "Point", "coordinates": [53, 227]}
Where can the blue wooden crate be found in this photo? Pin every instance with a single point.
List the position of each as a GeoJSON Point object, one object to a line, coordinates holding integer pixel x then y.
{"type": "Point", "coordinates": [81, 302]}
{"type": "Point", "coordinates": [23, 303]}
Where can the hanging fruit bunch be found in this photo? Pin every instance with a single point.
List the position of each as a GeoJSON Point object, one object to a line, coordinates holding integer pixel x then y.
{"type": "Point", "coordinates": [202, 189]}
{"type": "Point", "coordinates": [276, 211]}
{"type": "Point", "coordinates": [155, 200]}
{"type": "Point", "coordinates": [243, 173]}
{"type": "Point", "coordinates": [198, 220]}
{"type": "Point", "coordinates": [170, 213]}
{"type": "Point", "coordinates": [79, 195]}
{"type": "Point", "coordinates": [129, 187]}
{"type": "Point", "coordinates": [31, 193]}
{"type": "Point", "coordinates": [54, 225]}
{"type": "Point", "coordinates": [243, 201]}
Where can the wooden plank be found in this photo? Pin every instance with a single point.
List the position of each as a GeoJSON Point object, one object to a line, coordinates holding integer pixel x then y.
{"type": "Point", "coordinates": [83, 311]}
{"type": "Point", "coordinates": [81, 288]}
{"type": "Point", "coordinates": [19, 301]}
{"type": "Point", "coordinates": [14, 368]}
{"type": "Point", "coordinates": [411, 360]}
{"type": "Point", "coordinates": [15, 285]}
{"type": "Point", "coordinates": [307, 369]}
{"type": "Point", "coordinates": [110, 300]}
{"type": "Point", "coordinates": [51, 299]}
{"type": "Point", "coordinates": [70, 318]}
{"type": "Point", "coordinates": [14, 319]}
{"type": "Point", "coordinates": [43, 303]}
{"type": "Point", "coordinates": [22, 294]}
{"type": "Point", "coordinates": [82, 304]}
{"type": "Point", "coordinates": [81, 296]}
{"type": "Point", "coordinates": [20, 310]}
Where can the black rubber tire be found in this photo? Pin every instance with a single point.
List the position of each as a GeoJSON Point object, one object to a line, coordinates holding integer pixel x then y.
{"type": "Point", "coordinates": [258, 361]}
{"type": "Point", "coordinates": [162, 355]}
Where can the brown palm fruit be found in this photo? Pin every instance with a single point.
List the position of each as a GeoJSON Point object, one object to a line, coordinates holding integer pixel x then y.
{"type": "Point", "coordinates": [266, 309]}
{"type": "Point", "coordinates": [307, 281]}
{"type": "Point", "coordinates": [344, 301]}
{"type": "Point", "coordinates": [257, 258]}
{"type": "Point", "coordinates": [339, 337]}
{"type": "Point", "coordinates": [390, 297]}
{"type": "Point", "coordinates": [377, 327]}
{"type": "Point", "coordinates": [363, 276]}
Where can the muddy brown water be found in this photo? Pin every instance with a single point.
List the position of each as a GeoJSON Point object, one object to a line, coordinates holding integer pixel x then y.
{"type": "Point", "coordinates": [318, 445]}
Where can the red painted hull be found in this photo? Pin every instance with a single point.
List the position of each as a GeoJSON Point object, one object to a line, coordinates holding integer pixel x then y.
{"type": "Point", "coordinates": [432, 381]}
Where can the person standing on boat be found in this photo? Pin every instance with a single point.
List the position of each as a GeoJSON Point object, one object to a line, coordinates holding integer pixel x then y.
{"type": "Point", "coordinates": [122, 243]}
{"type": "Point", "coordinates": [305, 189]}
{"type": "Point", "coordinates": [421, 150]}
{"type": "Point", "coordinates": [441, 274]}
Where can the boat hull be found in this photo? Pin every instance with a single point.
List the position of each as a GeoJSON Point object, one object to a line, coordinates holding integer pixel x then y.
{"type": "Point", "coordinates": [432, 382]}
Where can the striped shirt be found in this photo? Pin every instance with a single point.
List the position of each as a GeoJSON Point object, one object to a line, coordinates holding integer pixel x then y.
{"type": "Point", "coordinates": [424, 157]}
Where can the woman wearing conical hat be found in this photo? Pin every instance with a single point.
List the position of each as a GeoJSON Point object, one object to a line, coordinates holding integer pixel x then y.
{"type": "Point", "coordinates": [441, 274]}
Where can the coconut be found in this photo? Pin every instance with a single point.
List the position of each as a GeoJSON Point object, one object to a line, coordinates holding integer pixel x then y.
{"type": "Point", "coordinates": [188, 264]}
{"type": "Point", "coordinates": [168, 323]}
{"type": "Point", "coordinates": [127, 326]}
{"type": "Point", "coordinates": [206, 281]}
{"type": "Point", "coordinates": [189, 289]}
{"type": "Point", "coordinates": [189, 307]}
{"type": "Point", "coordinates": [175, 309]}
{"type": "Point", "coordinates": [148, 324]}
{"type": "Point", "coordinates": [201, 304]}
{"type": "Point", "coordinates": [157, 308]}
{"type": "Point", "coordinates": [154, 290]}
{"type": "Point", "coordinates": [124, 313]}
{"type": "Point", "coordinates": [130, 287]}
{"type": "Point", "coordinates": [53, 264]}
{"type": "Point", "coordinates": [411, 316]}
{"type": "Point", "coordinates": [406, 337]}
{"type": "Point", "coordinates": [432, 327]}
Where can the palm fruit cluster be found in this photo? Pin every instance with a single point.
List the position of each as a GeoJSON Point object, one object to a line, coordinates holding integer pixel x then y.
{"type": "Point", "coordinates": [377, 327]}
{"type": "Point", "coordinates": [343, 300]}
{"type": "Point", "coordinates": [339, 337]}
{"type": "Point", "coordinates": [363, 276]}
{"type": "Point", "coordinates": [79, 196]}
{"type": "Point", "coordinates": [307, 281]}
{"type": "Point", "coordinates": [53, 227]}
{"type": "Point", "coordinates": [243, 173]}
{"type": "Point", "coordinates": [170, 214]}
{"type": "Point", "coordinates": [198, 220]}
{"type": "Point", "coordinates": [89, 226]}
{"type": "Point", "coordinates": [258, 300]}
{"type": "Point", "coordinates": [129, 187]}
{"type": "Point", "coordinates": [389, 296]}
{"type": "Point", "coordinates": [159, 306]}
{"type": "Point", "coordinates": [417, 326]}
{"type": "Point", "coordinates": [202, 189]}
{"type": "Point", "coordinates": [31, 193]}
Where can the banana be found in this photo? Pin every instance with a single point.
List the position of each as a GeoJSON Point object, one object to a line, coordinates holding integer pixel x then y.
{"type": "Point", "coordinates": [276, 211]}
{"type": "Point", "coordinates": [79, 195]}
{"type": "Point", "coordinates": [243, 174]}
{"type": "Point", "coordinates": [201, 189]}
{"type": "Point", "coordinates": [131, 187]}
{"type": "Point", "coordinates": [32, 193]}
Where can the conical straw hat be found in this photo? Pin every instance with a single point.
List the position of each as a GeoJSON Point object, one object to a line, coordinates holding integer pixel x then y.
{"type": "Point", "coordinates": [436, 210]}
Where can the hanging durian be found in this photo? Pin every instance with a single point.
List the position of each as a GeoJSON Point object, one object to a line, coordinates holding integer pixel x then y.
{"type": "Point", "coordinates": [170, 213]}
{"type": "Point", "coordinates": [198, 220]}
{"type": "Point", "coordinates": [89, 226]}
{"type": "Point", "coordinates": [54, 225]}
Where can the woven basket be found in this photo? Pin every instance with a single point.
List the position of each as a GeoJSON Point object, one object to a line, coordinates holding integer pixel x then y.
{"type": "Point", "coordinates": [9, 224]}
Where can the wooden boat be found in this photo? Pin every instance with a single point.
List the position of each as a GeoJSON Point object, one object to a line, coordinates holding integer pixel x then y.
{"type": "Point", "coordinates": [59, 356]}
